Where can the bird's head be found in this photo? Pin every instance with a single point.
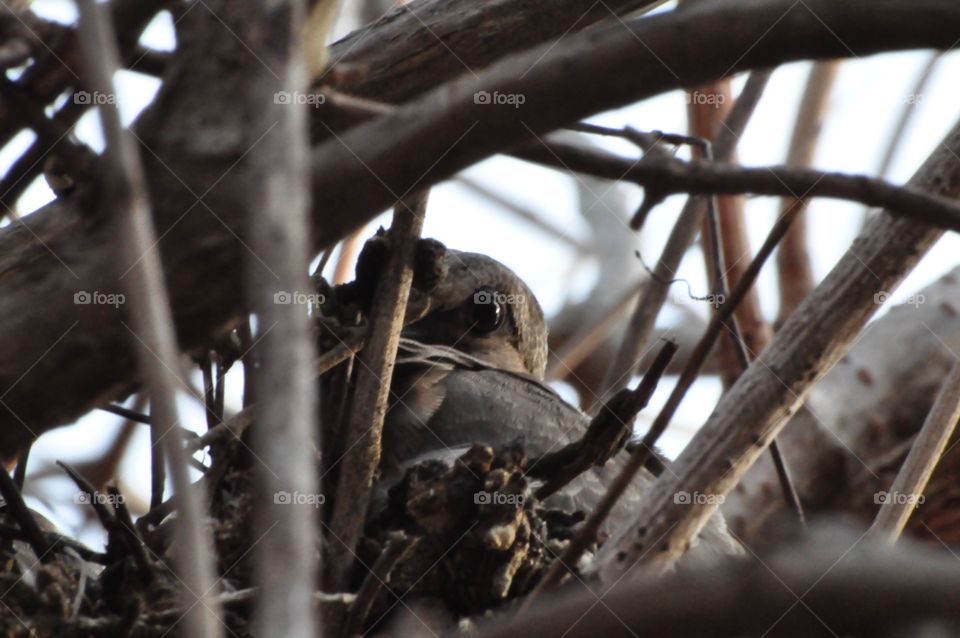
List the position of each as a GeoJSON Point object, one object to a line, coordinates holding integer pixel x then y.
{"type": "Point", "coordinates": [482, 308]}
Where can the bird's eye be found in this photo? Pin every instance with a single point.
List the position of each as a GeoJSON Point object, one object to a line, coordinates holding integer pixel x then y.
{"type": "Point", "coordinates": [487, 311]}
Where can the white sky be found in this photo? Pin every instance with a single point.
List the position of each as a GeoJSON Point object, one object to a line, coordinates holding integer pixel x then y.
{"type": "Point", "coordinates": [869, 96]}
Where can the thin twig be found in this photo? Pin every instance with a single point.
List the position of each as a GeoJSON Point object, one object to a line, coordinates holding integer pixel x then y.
{"type": "Point", "coordinates": [94, 497]}
{"type": "Point", "coordinates": [607, 433]}
{"type": "Point", "coordinates": [524, 213]}
{"type": "Point", "coordinates": [369, 405]}
{"type": "Point", "coordinates": [579, 346]}
{"type": "Point", "coordinates": [720, 275]}
{"type": "Point", "coordinates": [698, 177]}
{"type": "Point", "coordinates": [398, 546]}
{"type": "Point", "coordinates": [681, 237]}
{"type": "Point", "coordinates": [911, 102]}
{"type": "Point", "coordinates": [124, 523]}
{"type": "Point", "coordinates": [130, 415]}
{"type": "Point", "coordinates": [209, 402]}
{"type": "Point", "coordinates": [762, 400]}
{"type": "Point", "coordinates": [24, 517]}
{"type": "Point", "coordinates": [794, 270]}
{"type": "Point", "coordinates": [928, 446]}
{"type": "Point", "coordinates": [20, 472]}
{"type": "Point", "coordinates": [236, 425]}
{"type": "Point", "coordinates": [152, 319]}
{"type": "Point", "coordinates": [646, 449]}
{"type": "Point", "coordinates": [249, 362]}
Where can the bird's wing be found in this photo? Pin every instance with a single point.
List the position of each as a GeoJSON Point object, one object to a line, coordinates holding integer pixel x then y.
{"type": "Point", "coordinates": [463, 401]}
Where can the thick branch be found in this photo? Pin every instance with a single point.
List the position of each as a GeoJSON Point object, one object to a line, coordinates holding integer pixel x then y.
{"type": "Point", "coordinates": [358, 174]}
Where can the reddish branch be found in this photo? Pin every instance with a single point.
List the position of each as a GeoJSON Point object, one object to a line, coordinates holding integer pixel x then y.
{"type": "Point", "coordinates": [793, 260]}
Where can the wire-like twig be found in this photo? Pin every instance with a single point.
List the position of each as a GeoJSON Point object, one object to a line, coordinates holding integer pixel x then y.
{"type": "Point", "coordinates": [681, 237]}
{"type": "Point", "coordinates": [762, 400]}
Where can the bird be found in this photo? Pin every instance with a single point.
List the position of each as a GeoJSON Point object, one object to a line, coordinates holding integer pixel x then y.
{"type": "Point", "coordinates": [472, 371]}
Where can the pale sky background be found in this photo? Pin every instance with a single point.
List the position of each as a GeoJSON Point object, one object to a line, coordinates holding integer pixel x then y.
{"type": "Point", "coordinates": [868, 98]}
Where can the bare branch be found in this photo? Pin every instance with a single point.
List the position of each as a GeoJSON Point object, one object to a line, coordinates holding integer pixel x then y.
{"type": "Point", "coordinates": [196, 142]}
{"type": "Point", "coordinates": [927, 449]}
{"type": "Point", "coordinates": [152, 329]}
{"type": "Point", "coordinates": [698, 177]}
{"type": "Point", "coordinates": [369, 405]}
{"type": "Point", "coordinates": [793, 259]}
{"type": "Point", "coordinates": [848, 589]}
{"type": "Point", "coordinates": [277, 267]}
{"type": "Point", "coordinates": [681, 237]}
{"type": "Point", "coordinates": [774, 386]}
{"type": "Point", "coordinates": [356, 174]}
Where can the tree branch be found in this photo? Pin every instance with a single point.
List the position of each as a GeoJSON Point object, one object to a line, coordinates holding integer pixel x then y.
{"type": "Point", "coordinates": [753, 412]}
{"type": "Point", "coordinates": [152, 332]}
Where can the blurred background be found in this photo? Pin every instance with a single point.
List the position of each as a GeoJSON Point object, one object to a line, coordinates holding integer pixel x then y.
{"type": "Point", "coordinates": [563, 234]}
